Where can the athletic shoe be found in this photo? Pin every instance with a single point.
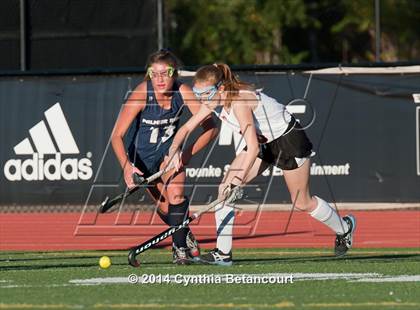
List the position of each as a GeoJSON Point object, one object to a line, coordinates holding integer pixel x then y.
{"type": "Point", "coordinates": [344, 242]}
{"type": "Point", "coordinates": [192, 245]}
{"type": "Point", "coordinates": [180, 255]}
{"type": "Point", "coordinates": [217, 257]}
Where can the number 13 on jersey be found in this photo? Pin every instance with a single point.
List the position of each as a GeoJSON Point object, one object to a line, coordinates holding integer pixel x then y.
{"type": "Point", "coordinates": [169, 132]}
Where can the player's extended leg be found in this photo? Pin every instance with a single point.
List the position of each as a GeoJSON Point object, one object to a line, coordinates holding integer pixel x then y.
{"type": "Point", "coordinates": [185, 246]}
{"type": "Point", "coordinates": [172, 205]}
{"type": "Point", "coordinates": [297, 181]}
{"type": "Point", "coordinates": [225, 215]}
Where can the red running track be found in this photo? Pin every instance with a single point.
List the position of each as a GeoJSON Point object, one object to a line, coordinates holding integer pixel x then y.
{"type": "Point", "coordinates": [73, 231]}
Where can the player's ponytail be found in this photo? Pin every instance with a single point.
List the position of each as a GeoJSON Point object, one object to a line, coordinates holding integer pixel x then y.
{"type": "Point", "coordinates": [221, 74]}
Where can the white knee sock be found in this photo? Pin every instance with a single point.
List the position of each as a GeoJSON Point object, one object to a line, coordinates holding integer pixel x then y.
{"type": "Point", "coordinates": [327, 215]}
{"type": "Point", "coordinates": [225, 215]}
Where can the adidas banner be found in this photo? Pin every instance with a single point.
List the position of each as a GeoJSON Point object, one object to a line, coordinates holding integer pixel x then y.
{"type": "Point", "coordinates": [365, 130]}
{"type": "Point", "coordinates": [57, 130]}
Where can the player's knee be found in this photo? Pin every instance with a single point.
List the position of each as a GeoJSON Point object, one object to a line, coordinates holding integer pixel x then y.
{"type": "Point", "coordinates": [176, 199]}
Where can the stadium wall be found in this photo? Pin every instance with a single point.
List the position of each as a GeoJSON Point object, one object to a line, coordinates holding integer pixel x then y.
{"type": "Point", "coordinates": [72, 35]}
{"type": "Point", "coordinates": [364, 127]}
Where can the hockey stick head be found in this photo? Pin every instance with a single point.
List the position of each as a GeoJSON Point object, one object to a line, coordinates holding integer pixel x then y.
{"type": "Point", "coordinates": [132, 259]}
{"type": "Point", "coordinates": [103, 204]}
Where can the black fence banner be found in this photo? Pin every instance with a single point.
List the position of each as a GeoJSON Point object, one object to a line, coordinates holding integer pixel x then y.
{"type": "Point", "coordinates": [55, 133]}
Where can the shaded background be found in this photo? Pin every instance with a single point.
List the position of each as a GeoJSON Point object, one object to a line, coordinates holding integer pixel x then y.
{"type": "Point", "coordinates": [368, 122]}
{"type": "Point", "coordinates": [87, 54]}
{"type": "Point", "coordinates": [64, 35]}
{"type": "Point", "coordinates": [77, 34]}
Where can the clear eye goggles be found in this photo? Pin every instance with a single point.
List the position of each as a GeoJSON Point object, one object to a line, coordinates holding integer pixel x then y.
{"type": "Point", "coordinates": [169, 72]}
{"type": "Point", "coordinates": [206, 93]}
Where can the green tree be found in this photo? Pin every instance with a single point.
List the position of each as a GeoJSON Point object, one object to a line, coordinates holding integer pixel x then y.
{"type": "Point", "coordinates": [400, 21]}
{"type": "Point", "coordinates": [400, 31]}
{"type": "Point", "coordinates": [235, 31]}
{"type": "Point", "coordinates": [291, 31]}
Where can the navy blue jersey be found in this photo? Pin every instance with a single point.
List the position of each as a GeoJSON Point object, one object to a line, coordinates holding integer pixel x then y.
{"type": "Point", "coordinates": [155, 128]}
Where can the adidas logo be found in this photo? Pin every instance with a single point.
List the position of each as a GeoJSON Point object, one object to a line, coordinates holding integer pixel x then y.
{"type": "Point", "coordinates": [54, 145]}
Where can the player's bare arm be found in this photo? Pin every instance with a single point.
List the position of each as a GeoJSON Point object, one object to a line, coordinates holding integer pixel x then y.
{"type": "Point", "coordinates": [134, 105]}
{"type": "Point", "coordinates": [243, 113]}
{"type": "Point", "coordinates": [174, 152]}
{"type": "Point", "coordinates": [208, 125]}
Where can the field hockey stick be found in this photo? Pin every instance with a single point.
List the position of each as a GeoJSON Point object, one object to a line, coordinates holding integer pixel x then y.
{"type": "Point", "coordinates": [234, 195]}
{"type": "Point", "coordinates": [138, 180]}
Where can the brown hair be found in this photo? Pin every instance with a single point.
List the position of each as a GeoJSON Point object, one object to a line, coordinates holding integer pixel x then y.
{"type": "Point", "coordinates": [166, 56]}
{"type": "Point", "coordinates": [220, 74]}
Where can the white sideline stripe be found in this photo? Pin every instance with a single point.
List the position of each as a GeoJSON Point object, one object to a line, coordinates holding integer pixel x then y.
{"type": "Point", "coordinates": [42, 286]}
{"type": "Point", "coordinates": [61, 130]}
{"type": "Point", "coordinates": [108, 280]}
{"type": "Point", "coordinates": [401, 278]}
{"type": "Point", "coordinates": [350, 277]}
{"type": "Point", "coordinates": [42, 139]}
{"type": "Point", "coordinates": [23, 148]}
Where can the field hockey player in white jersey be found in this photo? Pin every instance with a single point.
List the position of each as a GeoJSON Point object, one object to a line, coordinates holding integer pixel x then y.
{"type": "Point", "coordinates": [273, 137]}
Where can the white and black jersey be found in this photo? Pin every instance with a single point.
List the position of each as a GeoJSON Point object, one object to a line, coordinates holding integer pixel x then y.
{"type": "Point", "coordinates": [283, 141]}
{"type": "Point", "coordinates": [270, 117]}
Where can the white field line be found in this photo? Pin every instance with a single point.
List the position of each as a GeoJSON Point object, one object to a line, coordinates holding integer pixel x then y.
{"type": "Point", "coordinates": [188, 279]}
{"type": "Point", "coordinates": [401, 278]}
{"type": "Point", "coordinates": [223, 278]}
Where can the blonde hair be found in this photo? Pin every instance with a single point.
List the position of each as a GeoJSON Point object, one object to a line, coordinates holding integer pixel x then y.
{"type": "Point", "coordinates": [221, 74]}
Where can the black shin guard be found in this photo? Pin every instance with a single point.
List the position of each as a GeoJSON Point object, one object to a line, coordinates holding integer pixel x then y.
{"type": "Point", "coordinates": [177, 214]}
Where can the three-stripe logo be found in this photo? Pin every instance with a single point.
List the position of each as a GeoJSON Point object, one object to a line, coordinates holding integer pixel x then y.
{"type": "Point", "coordinates": [60, 141]}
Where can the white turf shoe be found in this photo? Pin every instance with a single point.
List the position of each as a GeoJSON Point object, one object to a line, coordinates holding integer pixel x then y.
{"type": "Point", "coordinates": [344, 242]}
{"type": "Point", "coordinates": [216, 257]}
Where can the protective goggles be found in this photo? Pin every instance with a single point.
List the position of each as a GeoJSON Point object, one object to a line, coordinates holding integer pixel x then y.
{"type": "Point", "coordinates": [206, 93]}
{"type": "Point", "coordinates": [169, 72]}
